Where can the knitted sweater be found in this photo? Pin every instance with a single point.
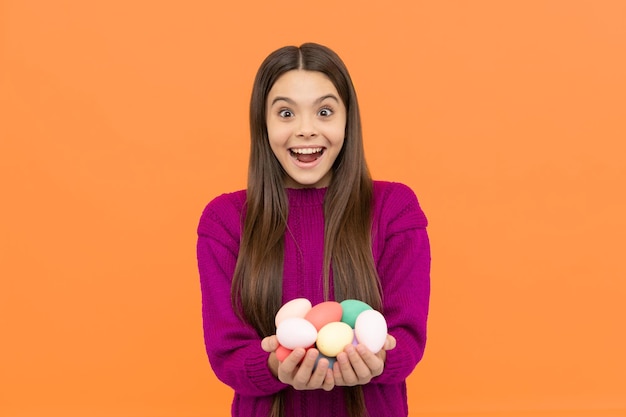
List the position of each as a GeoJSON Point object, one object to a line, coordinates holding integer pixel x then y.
{"type": "Point", "coordinates": [402, 255]}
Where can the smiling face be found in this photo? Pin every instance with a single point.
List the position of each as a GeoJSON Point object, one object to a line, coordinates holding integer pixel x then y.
{"type": "Point", "coordinates": [306, 123]}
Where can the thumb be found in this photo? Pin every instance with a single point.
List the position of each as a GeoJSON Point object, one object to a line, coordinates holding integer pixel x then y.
{"type": "Point", "coordinates": [390, 342]}
{"type": "Point", "coordinates": [269, 344]}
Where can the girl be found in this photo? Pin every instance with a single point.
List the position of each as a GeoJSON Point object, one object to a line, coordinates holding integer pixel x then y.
{"type": "Point", "coordinates": [311, 224]}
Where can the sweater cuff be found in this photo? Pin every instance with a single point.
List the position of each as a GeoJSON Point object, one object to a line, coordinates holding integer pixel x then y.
{"type": "Point", "coordinates": [260, 375]}
{"type": "Point", "coordinates": [399, 364]}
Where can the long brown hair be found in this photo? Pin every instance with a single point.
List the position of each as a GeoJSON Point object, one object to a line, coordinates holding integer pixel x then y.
{"type": "Point", "coordinates": [257, 282]}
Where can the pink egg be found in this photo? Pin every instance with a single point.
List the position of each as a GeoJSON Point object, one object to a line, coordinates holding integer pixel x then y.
{"type": "Point", "coordinates": [282, 353]}
{"type": "Point", "coordinates": [298, 307]}
{"type": "Point", "coordinates": [323, 313]}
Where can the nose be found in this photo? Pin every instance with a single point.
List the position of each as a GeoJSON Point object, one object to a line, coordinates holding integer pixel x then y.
{"type": "Point", "coordinates": [306, 128]}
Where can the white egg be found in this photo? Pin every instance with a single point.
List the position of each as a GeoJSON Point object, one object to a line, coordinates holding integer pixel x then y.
{"type": "Point", "coordinates": [295, 332]}
{"type": "Point", "coordinates": [370, 329]}
{"type": "Point", "coordinates": [298, 307]}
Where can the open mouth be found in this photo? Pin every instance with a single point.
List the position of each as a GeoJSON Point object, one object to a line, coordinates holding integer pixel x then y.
{"type": "Point", "coordinates": [307, 154]}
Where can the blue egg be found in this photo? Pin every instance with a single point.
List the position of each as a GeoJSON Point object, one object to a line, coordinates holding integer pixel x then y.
{"type": "Point", "coordinates": [331, 361]}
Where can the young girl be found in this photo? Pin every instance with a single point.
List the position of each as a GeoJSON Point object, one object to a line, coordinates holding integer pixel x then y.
{"type": "Point", "coordinates": [311, 224]}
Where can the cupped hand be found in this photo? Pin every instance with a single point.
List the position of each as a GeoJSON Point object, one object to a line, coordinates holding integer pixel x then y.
{"type": "Point", "coordinates": [357, 365]}
{"type": "Point", "coordinates": [299, 369]}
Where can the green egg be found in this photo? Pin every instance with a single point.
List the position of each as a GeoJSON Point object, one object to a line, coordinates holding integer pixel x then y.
{"type": "Point", "coordinates": [351, 310]}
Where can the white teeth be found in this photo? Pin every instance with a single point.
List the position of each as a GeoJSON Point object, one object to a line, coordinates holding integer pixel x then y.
{"type": "Point", "coordinates": [306, 151]}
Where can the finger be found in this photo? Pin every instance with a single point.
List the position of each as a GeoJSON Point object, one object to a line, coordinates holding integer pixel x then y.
{"type": "Point", "coordinates": [269, 344]}
{"type": "Point", "coordinates": [362, 371]}
{"type": "Point", "coordinates": [337, 376]}
{"type": "Point", "coordinates": [288, 367]}
{"type": "Point", "coordinates": [347, 373]}
{"type": "Point", "coordinates": [373, 362]}
{"type": "Point", "coordinates": [329, 380]}
{"type": "Point", "coordinates": [390, 343]}
{"type": "Point", "coordinates": [319, 373]}
{"type": "Point", "coordinates": [304, 373]}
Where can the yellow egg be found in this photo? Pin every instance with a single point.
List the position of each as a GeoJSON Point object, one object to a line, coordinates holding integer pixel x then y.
{"type": "Point", "coordinates": [333, 337]}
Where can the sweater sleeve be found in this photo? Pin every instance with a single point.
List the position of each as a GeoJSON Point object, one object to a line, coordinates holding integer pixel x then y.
{"type": "Point", "coordinates": [404, 270]}
{"type": "Point", "coordinates": [233, 346]}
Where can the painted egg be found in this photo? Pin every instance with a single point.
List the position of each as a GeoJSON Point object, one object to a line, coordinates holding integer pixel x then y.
{"type": "Point", "coordinates": [371, 330]}
{"type": "Point", "coordinates": [323, 313]}
{"type": "Point", "coordinates": [298, 307]}
{"type": "Point", "coordinates": [351, 310]}
{"type": "Point", "coordinates": [332, 338]}
{"type": "Point", "coordinates": [282, 353]}
{"type": "Point", "coordinates": [295, 332]}
{"type": "Point", "coordinates": [331, 361]}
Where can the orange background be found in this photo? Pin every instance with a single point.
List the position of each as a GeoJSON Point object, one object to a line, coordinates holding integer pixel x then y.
{"type": "Point", "coordinates": [120, 120]}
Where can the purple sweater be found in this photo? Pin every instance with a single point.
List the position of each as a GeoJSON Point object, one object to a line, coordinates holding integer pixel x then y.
{"type": "Point", "coordinates": [402, 255]}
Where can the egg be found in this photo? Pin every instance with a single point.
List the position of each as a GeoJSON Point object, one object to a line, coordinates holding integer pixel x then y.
{"type": "Point", "coordinates": [332, 338]}
{"type": "Point", "coordinates": [351, 310]}
{"type": "Point", "coordinates": [298, 307]}
{"type": "Point", "coordinates": [282, 353]}
{"type": "Point", "coordinates": [323, 313]}
{"type": "Point", "coordinates": [295, 332]}
{"type": "Point", "coordinates": [331, 361]}
{"type": "Point", "coordinates": [370, 329]}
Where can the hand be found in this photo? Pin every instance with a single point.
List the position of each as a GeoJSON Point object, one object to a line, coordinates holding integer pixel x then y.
{"type": "Point", "coordinates": [358, 365]}
{"type": "Point", "coordinates": [298, 369]}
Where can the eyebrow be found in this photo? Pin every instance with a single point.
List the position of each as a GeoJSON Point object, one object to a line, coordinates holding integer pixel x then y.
{"type": "Point", "coordinates": [319, 100]}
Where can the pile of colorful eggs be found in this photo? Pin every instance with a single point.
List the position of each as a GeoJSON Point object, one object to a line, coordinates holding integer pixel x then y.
{"type": "Point", "coordinates": [328, 326]}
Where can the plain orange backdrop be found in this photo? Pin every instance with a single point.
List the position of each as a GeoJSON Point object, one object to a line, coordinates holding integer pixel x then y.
{"type": "Point", "coordinates": [120, 120]}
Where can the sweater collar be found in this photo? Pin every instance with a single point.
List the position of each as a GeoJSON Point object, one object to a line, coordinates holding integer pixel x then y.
{"type": "Point", "coordinates": [306, 196]}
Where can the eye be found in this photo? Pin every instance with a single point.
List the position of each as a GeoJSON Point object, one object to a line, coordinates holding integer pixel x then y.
{"type": "Point", "coordinates": [325, 112]}
{"type": "Point", "coordinates": [285, 113]}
